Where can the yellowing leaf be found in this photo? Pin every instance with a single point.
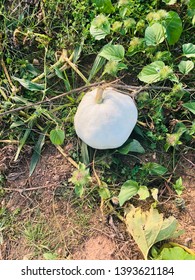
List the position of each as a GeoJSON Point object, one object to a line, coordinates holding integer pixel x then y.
{"type": "Point", "coordinates": [148, 228]}
{"type": "Point", "coordinates": [144, 227]}
{"type": "Point", "coordinates": [143, 192]}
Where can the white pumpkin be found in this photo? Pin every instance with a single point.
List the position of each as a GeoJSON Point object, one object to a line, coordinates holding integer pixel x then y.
{"type": "Point", "coordinates": [105, 118]}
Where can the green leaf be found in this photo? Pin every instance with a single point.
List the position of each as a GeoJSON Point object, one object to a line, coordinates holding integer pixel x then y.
{"type": "Point", "coordinates": [37, 151]}
{"type": "Point", "coordinates": [133, 146]}
{"type": "Point", "coordinates": [173, 139]}
{"type": "Point", "coordinates": [136, 45]}
{"type": "Point", "coordinates": [164, 56]}
{"type": "Point", "coordinates": [169, 229]}
{"type": "Point", "coordinates": [105, 6]}
{"type": "Point", "coordinates": [154, 72]}
{"type": "Point", "coordinates": [193, 20]}
{"type": "Point", "coordinates": [170, 2]}
{"type": "Point", "coordinates": [150, 73]}
{"type": "Point", "coordinates": [185, 66]}
{"type": "Point", "coordinates": [104, 192]}
{"type": "Point", "coordinates": [116, 26]}
{"type": "Point", "coordinates": [22, 142]}
{"type": "Point", "coordinates": [85, 153]}
{"type": "Point", "coordinates": [143, 192]}
{"type": "Point", "coordinates": [154, 168]}
{"type": "Point", "coordinates": [175, 253]}
{"type": "Point", "coordinates": [128, 190]}
{"type": "Point", "coordinates": [113, 52]}
{"type": "Point", "coordinates": [30, 85]}
{"type": "Point", "coordinates": [79, 190]}
{"type": "Point", "coordinates": [148, 228]}
{"type": "Point", "coordinates": [173, 26]}
{"type": "Point", "coordinates": [50, 256]}
{"type": "Point", "coordinates": [20, 99]}
{"type": "Point", "coordinates": [155, 34]}
{"type": "Point", "coordinates": [57, 136]}
{"type": "Point", "coordinates": [178, 186]}
{"type": "Point", "coordinates": [112, 67]}
{"type": "Point", "coordinates": [59, 73]}
{"type": "Point", "coordinates": [125, 11]}
{"type": "Point", "coordinates": [100, 27]}
{"type": "Point", "coordinates": [188, 50]}
{"type": "Point", "coordinates": [16, 124]}
{"type": "Point", "coordinates": [190, 106]}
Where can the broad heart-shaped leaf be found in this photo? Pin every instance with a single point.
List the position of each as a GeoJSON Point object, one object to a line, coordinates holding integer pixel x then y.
{"type": "Point", "coordinates": [173, 26]}
{"type": "Point", "coordinates": [30, 85]}
{"type": "Point", "coordinates": [57, 136]}
{"type": "Point", "coordinates": [105, 6]}
{"type": "Point", "coordinates": [144, 227]}
{"type": "Point", "coordinates": [128, 189]}
{"type": "Point", "coordinates": [133, 146]}
{"type": "Point", "coordinates": [154, 34]}
{"type": "Point", "coordinates": [151, 73]}
{"type": "Point", "coordinates": [186, 66]}
{"type": "Point", "coordinates": [100, 27]}
{"type": "Point", "coordinates": [148, 228]}
{"type": "Point", "coordinates": [188, 50]}
{"type": "Point", "coordinates": [113, 52]}
{"type": "Point", "coordinates": [190, 106]}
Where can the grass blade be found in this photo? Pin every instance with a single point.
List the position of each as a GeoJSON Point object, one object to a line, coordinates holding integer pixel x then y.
{"type": "Point", "coordinates": [85, 153]}
{"type": "Point", "coordinates": [23, 140]}
{"type": "Point", "coordinates": [97, 66]}
{"type": "Point", "coordinates": [37, 151]}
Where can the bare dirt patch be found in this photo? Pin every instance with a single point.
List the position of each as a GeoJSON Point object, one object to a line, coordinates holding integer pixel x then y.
{"type": "Point", "coordinates": [44, 215]}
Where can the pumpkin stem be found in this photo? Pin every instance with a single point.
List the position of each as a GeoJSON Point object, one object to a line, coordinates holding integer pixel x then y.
{"type": "Point", "coordinates": [99, 93]}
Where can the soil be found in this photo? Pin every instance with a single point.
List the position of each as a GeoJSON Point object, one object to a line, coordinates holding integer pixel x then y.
{"type": "Point", "coordinates": [46, 216]}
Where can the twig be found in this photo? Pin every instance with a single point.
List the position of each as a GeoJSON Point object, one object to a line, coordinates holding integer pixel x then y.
{"type": "Point", "coordinates": [14, 89]}
{"type": "Point", "coordinates": [142, 88]}
{"type": "Point", "coordinates": [9, 141]}
{"type": "Point", "coordinates": [83, 88]}
{"type": "Point", "coordinates": [189, 161]}
{"type": "Point", "coordinates": [24, 190]}
{"type": "Point", "coordinates": [67, 157]}
{"type": "Point", "coordinates": [135, 89]}
{"type": "Point", "coordinates": [94, 171]}
{"type": "Point", "coordinates": [73, 66]}
{"type": "Point", "coordinates": [51, 68]}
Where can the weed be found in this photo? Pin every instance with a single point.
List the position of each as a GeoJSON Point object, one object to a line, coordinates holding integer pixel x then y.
{"type": "Point", "coordinates": [47, 48]}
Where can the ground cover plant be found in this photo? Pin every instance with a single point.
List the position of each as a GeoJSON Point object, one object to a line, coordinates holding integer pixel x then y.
{"type": "Point", "coordinates": [60, 197]}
